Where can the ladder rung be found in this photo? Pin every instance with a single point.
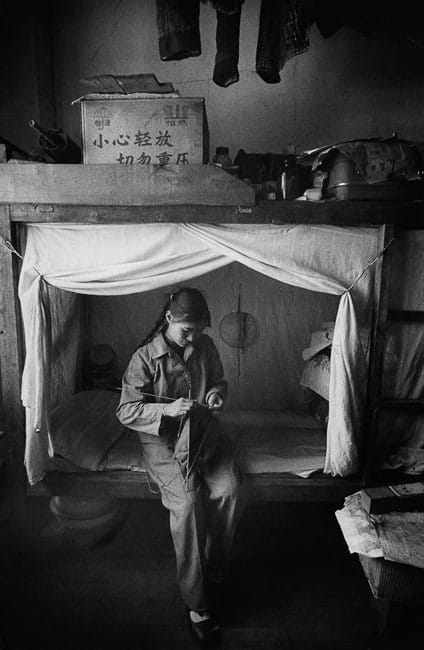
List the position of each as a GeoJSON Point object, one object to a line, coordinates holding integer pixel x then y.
{"type": "Point", "coordinates": [406, 315]}
{"type": "Point", "coordinates": [400, 405]}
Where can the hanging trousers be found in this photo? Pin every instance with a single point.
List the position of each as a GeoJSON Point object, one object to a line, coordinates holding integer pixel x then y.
{"type": "Point", "coordinates": [179, 35]}
{"type": "Point", "coordinates": [204, 506]}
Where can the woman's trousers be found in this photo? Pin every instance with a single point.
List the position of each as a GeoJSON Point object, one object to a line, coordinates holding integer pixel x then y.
{"type": "Point", "coordinates": [203, 489]}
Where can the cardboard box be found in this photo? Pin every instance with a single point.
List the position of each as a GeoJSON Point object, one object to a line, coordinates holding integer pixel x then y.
{"type": "Point", "coordinates": [402, 498]}
{"type": "Point", "coordinates": [136, 129]}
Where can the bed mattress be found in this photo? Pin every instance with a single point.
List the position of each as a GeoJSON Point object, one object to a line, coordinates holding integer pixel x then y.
{"type": "Point", "coordinates": [86, 435]}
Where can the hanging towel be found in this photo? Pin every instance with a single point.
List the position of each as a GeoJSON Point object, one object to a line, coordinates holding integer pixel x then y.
{"type": "Point", "coordinates": [283, 33]}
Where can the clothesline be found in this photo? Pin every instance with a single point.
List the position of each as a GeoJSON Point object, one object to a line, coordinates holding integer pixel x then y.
{"type": "Point", "coordinates": [208, 79]}
{"type": "Point", "coordinates": [7, 245]}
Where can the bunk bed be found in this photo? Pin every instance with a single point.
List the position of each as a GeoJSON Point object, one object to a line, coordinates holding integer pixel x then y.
{"type": "Point", "coordinates": [109, 194]}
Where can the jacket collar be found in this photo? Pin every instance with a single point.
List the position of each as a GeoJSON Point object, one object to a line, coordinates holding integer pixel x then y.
{"type": "Point", "coordinates": [160, 347]}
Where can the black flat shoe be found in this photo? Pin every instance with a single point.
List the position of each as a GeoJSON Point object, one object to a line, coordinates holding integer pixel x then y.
{"type": "Point", "coordinates": [206, 633]}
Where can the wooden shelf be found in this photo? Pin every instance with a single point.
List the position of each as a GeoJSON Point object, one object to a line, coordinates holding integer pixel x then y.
{"type": "Point", "coordinates": [48, 193]}
{"type": "Point", "coordinates": [117, 185]}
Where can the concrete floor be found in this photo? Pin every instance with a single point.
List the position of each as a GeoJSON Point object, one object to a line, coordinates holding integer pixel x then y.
{"type": "Point", "coordinates": [293, 585]}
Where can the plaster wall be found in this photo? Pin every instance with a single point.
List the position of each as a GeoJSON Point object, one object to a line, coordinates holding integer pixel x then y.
{"type": "Point", "coordinates": [264, 375]}
{"type": "Point", "coordinates": [26, 78]}
{"type": "Point", "coordinates": [347, 86]}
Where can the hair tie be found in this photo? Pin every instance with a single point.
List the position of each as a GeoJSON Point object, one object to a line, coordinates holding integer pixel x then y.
{"type": "Point", "coordinates": [173, 297]}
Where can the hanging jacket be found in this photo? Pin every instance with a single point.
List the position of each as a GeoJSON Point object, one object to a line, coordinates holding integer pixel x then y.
{"type": "Point", "coordinates": [283, 33]}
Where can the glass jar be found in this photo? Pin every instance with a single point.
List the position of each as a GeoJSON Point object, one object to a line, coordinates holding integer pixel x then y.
{"type": "Point", "coordinates": [222, 157]}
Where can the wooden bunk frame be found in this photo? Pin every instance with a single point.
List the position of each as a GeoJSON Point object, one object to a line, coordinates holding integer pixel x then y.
{"type": "Point", "coordinates": [88, 194]}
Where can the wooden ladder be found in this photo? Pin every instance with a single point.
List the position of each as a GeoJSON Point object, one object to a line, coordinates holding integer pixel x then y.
{"type": "Point", "coordinates": [382, 316]}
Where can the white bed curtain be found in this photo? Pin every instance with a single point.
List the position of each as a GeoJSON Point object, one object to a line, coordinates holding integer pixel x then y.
{"type": "Point", "coordinates": [124, 259]}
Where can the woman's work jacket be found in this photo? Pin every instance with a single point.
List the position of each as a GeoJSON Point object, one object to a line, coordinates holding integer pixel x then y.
{"type": "Point", "coordinates": [158, 369]}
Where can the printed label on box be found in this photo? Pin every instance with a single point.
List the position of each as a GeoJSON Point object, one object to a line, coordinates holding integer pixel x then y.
{"type": "Point", "coordinates": [143, 131]}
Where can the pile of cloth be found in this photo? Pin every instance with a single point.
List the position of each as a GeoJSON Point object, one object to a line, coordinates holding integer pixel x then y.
{"type": "Point", "coordinates": [394, 536]}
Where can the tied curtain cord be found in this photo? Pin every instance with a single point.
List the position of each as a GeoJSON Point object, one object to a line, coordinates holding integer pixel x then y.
{"type": "Point", "coordinates": [116, 259]}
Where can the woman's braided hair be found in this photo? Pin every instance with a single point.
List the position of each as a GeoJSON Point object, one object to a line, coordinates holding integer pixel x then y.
{"type": "Point", "coordinates": [184, 304]}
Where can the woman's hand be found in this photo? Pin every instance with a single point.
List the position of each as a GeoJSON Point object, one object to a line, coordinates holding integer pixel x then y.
{"type": "Point", "coordinates": [181, 406]}
{"type": "Point", "coordinates": [215, 402]}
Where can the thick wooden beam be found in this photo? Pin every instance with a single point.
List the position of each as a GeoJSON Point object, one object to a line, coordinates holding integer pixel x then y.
{"type": "Point", "coordinates": [33, 213]}
{"type": "Point", "coordinates": [124, 484]}
{"type": "Point", "coordinates": [104, 185]}
{"type": "Point", "coordinates": [10, 328]}
{"type": "Point", "coordinates": [377, 348]}
{"type": "Point", "coordinates": [11, 412]}
{"type": "Point", "coordinates": [337, 213]}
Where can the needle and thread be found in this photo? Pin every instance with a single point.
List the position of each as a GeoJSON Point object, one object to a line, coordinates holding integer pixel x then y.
{"type": "Point", "coordinates": [189, 466]}
{"type": "Point", "coordinates": [172, 399]}
{"type": "Point", "coordinates": [188, 444]}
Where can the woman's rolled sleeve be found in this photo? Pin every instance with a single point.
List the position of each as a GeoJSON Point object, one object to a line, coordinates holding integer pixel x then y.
{"type": "Point", "coordinates": [134, 410]}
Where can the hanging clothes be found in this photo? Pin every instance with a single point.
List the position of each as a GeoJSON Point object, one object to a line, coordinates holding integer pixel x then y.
{"type": "Point", "coordinates": [227, 47]}
{"type": "Point", "coordinates": [178, 28]}
{"type": "Point", "coordinates": [283, 33]}
{"type": "Point", "coordinates": [179, 34]}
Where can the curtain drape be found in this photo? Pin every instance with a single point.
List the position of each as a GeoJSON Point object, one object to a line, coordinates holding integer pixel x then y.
{"type": "Point", "coordinates": [124, 259]}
